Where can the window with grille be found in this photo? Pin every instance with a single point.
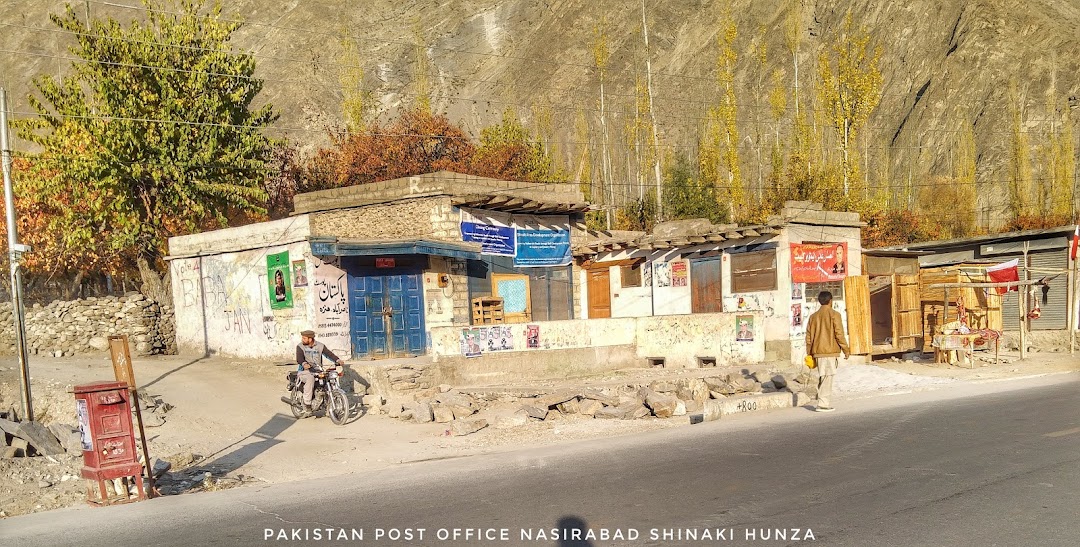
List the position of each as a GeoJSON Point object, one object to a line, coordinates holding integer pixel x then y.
{"type": "Point", "coordinates": [835, 287]}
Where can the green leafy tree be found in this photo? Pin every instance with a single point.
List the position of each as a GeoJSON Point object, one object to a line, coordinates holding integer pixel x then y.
{"type": "Point", "coordinates": [168, 141]}
{"type": "Point", "coordinates": [638, 215]}
{"type": "Point", "coordinates": [687, 197]}
{"type": "Point", "coordinates": [508, 150]}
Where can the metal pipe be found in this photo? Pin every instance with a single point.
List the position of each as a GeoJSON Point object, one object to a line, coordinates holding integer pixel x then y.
{"type": "Point", "coordinates": [14, 250]}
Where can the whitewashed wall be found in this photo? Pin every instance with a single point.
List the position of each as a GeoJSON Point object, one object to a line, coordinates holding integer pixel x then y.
{"type": "Point", "coordinates": [679, 339]}
{"type": "Point", "coordinates": [223, 305]}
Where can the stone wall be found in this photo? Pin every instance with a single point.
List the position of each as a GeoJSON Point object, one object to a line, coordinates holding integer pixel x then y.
{"type": "Point", "coordinates": [65, 328]}
{"type": "Point", "coordinates": [425, 217]}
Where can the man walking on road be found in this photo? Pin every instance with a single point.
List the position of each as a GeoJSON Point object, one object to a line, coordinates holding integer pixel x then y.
{"type": "Point", "coordinates": [825, 341]}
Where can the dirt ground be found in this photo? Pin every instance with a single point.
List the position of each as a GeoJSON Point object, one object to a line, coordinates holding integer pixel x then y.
{"type": "Point", "coordinates": [227, 425]}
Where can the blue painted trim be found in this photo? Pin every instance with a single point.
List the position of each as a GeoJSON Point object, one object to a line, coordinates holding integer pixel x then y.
{"type": "Point", "coordinates": [338, 248]}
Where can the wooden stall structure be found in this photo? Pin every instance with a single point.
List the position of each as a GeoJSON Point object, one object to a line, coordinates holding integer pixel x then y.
{"type": "Point", "coordinates": [887, 311]}
{"type": "Point", "coordinates": [940, 305]}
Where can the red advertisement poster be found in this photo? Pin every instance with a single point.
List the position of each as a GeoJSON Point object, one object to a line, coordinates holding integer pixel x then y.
{"type": "Point", "coordinates": [818, 262]}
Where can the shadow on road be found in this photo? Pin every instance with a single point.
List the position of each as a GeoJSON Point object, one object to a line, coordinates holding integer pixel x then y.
{"type": "Point", "coordinates": [228, 459]}
{"type": "Point", "coordinates": [572, 530]}
{"type": "Point", "coordinates": [173, 371]}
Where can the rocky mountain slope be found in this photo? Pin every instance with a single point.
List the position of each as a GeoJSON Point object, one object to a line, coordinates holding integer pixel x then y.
{"type": "Point", "coordinates": [945, 65]}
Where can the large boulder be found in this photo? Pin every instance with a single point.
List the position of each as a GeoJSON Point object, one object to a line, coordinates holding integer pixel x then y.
{"type": "Point", "coordinates": [692, 389]}
{"type": "Point", "coordinates": [662, 405]}
{"type": "Point", "coordinates": [467, 427]}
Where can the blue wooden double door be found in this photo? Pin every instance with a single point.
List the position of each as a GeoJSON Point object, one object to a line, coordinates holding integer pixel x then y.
{"type": "Point", "coordinates": [387, 313]}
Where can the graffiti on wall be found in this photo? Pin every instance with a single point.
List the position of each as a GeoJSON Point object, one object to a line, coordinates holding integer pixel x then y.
{"type": "Point", "coordinates": [189, 279]}
{"type": "Point", "coordinates": [330, 287]}
{"type": "Point", "coordinates": [764, 302]}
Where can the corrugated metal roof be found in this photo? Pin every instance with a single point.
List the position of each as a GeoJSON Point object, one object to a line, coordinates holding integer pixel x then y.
{"type": "Point", "coordinates": [946, 243]}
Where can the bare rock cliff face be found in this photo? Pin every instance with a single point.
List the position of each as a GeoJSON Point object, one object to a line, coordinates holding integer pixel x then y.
{"type": "Point", "coordinates": [945, 65]}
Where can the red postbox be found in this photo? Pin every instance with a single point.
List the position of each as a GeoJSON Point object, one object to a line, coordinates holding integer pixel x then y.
{"type": "Point", "coordinates": [108, 440]}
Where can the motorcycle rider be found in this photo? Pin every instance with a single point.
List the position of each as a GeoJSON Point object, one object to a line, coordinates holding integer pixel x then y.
{"type": "Point", "coordinates": [310, 353]}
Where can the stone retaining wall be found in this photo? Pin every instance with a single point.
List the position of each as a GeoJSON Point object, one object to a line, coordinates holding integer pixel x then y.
{"type": "Point", "coordinates": [66, 328]}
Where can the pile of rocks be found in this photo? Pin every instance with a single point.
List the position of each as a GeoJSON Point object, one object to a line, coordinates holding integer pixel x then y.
{"type": "Point", "coordinates": [441, 405]}
{"type": "Point", "coordinates": [66, 328]}
{"type": "Point", "coordinates": [153, 410]}
{"type": "Point", "coordinates": [28, 439]}
{"type": "Point", "coordinates": [662, 399]}
{"type": "Point", "coordinates": [406, 378]}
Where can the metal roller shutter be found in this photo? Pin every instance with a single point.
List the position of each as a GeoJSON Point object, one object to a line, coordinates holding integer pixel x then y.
{"type": "Point", "coordinates": [1053, 299]}
{"type": "Point", "coordinates": [1055, 311]}
{"type": "Point", "coordinates": [1010, 319]}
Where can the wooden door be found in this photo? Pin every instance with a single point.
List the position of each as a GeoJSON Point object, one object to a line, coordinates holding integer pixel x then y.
{"type": "Point", "coordinates": [907, 313]}
{"type": "Point", "coordinates": [406, 314]}
{"type": "Point", "coordinates": [517, 298]}
{"type": "Point", "coordinates": [387, 315]}
{"type": "Point", "coordinates": [860, 327]}
{"type": "Point", "coordinates": [599, 293]}
{"type": "Point", "coordinates": [369, 329]}
{"type": "Point", "coordinates": [705, 286]}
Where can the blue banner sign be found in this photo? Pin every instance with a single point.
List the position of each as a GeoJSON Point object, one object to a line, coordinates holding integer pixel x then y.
{"type": "Point", "coordinates": [542, 248]}
{"type": "Point", "coordinates": [494, 240]}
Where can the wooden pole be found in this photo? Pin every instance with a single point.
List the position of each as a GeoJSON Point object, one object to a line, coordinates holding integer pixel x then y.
{"type": "Point", "coordinates": [945, 318]}
{"type": "Point", "coordinates": [1023, 295]}
{"type": "Point", "coordinates": [1021, 304]}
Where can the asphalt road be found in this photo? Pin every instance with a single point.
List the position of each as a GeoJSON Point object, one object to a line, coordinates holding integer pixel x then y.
{"type": "Point", "coordinates": [984, 464]}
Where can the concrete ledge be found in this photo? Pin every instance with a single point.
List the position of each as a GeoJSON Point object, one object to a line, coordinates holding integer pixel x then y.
{"type": "Point", "coordinates": [714, 409]}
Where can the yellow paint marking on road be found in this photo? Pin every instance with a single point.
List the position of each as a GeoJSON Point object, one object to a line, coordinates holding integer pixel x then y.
{"type": "Point", "coordinates": [1063, 432]}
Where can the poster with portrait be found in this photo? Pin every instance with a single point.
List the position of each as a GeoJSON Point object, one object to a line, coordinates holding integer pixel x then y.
{"type": "Point", "coordinates": [744, 328]}
{"type": "Point", "coordinates": [279, 280]}
{"type": "Point", "coordinates": [299, 270]}
{"type": "Point", "coordinates": [818, 262]}
{"type": "Point", "coordinates": [678, 274]}
{"type": "Point", "coordinates": [796, 315]}
{"type": "Point", "coordinates": [532, 336]}
{"type": "Point", "coordinates": [470, 342]}
{"type": "Point", "coordinates": [797, 290]}
{"type": "Point", "coordinates": [662, 273]}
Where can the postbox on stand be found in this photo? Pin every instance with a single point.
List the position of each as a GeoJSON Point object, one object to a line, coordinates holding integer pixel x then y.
{"type": "Point", "coordinates": [108, 442]}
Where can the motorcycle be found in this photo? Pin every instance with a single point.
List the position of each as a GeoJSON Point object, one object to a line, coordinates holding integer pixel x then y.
{"type": "Point", "coordinates": [328, 394]}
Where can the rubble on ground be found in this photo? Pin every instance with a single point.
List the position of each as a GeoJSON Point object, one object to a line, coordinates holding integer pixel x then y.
{"type": "Point", "coordinates": [655, 399]}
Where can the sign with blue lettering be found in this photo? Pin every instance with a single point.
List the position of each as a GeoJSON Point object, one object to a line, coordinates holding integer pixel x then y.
{"type": "Point", "coordinates": [539, 248]}
{"type": "Point", "coordinates": [494, 240]}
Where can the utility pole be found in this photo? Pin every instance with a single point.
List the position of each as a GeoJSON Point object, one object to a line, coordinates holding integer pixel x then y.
{"type": "Point", "coordinates": [15, 251]}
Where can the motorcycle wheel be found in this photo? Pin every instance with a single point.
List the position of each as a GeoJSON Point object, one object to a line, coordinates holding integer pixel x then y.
{"type": "Point", "coordinates": [297, 405]}
{"type": "Point", "coordinates": [338, 407]}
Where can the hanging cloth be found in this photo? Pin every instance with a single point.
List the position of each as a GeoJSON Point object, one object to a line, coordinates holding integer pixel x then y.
{"type": "Point", "coordinates": [1036, 311]}
{"type": "Point", "coordinates": [961, 311]}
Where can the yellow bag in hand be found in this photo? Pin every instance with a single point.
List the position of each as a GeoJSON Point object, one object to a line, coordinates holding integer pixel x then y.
{"type": "Point", "coordinates": [809, 360]}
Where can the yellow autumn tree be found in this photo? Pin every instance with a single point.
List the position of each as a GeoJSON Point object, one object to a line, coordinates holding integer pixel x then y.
{"type": "Point", "coordinates": [1020, 175]}
{"type": "Point", "coordinates": [719, 153]}
{"type": "Point", "coordinates": [356, 103]}
{"type": "Point", "coordinates": [849, 89]}
{"type": "Point", "coordinates": [949, 204]}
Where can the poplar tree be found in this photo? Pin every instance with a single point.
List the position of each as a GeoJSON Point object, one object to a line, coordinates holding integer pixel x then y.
{"type": "Point", "coordinates": [850, 90]}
